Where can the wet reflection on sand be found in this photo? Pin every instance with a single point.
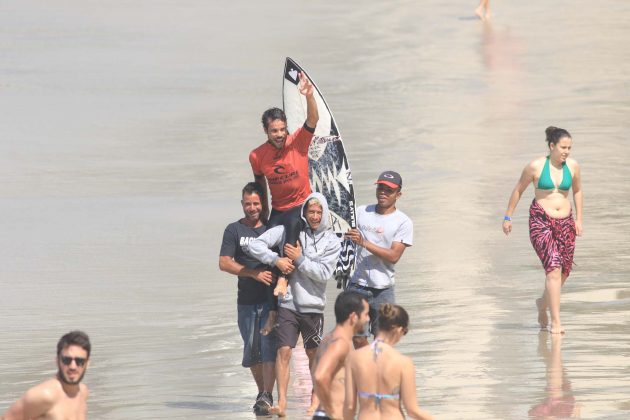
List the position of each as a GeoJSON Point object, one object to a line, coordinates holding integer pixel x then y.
{"type": "Point", "coordinates": [124, 137]}
{"type": "Point", "coordinates": [559, 401]}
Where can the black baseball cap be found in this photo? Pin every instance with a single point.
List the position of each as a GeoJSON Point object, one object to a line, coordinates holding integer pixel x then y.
{"type": "Point", "coordinates": [390, 178]}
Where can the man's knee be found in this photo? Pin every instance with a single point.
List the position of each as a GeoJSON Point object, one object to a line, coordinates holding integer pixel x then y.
{"type": "Point", "coordinates": [310, 353]}
{"type": "Point", "coordinates": [284, 355]}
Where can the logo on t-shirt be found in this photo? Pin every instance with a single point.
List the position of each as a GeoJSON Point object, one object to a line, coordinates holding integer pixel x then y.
{"type": "Point", "coordinates": [279, 169]}
{"type": "Point", "coordinates": [374, 229]}
{"type": "Point", "coordinates": [245, 240]}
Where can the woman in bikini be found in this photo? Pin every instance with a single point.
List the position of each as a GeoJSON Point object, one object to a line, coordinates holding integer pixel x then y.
{"type": "Point", "coordinates": [552, 229]}
{"type": "Point", "coordinates": [379, 377]}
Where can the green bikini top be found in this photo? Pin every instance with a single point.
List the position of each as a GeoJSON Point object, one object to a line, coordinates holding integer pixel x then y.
{"type": "Point", "coordinates": [546, 183]}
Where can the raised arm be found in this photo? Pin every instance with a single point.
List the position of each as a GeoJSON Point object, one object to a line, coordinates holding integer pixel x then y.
{"type": "Point", "coordinates": [307, 89]}
{"type": "Point", "coordinates": [408, 392]}
{"type": "Point", "coordinates": [527, 176]}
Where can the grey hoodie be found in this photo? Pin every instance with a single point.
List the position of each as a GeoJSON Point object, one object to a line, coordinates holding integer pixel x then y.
{"type": "Point", "coordinates": [316, 265]}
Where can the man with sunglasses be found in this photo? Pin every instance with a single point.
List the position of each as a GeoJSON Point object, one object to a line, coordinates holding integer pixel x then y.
{"type": "Point", "coordinates": [383, 233]}
{"type": "Point", "coordinates": [64, 396]}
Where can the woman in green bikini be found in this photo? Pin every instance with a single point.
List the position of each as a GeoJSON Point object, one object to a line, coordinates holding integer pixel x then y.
{"type": "Point", "coordinates": [381, 379]}
{"type": "Point", "coordinates": [552, 229]}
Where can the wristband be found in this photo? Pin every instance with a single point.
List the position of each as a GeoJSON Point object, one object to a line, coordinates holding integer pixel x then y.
{"type": "Point", "coordinates": [507, 219]}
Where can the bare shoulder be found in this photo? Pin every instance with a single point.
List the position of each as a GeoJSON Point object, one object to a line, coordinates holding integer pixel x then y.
{"type": "Point", "coordinates": [38, 400]}
{"type": "Point", "coordinates": [537, 163]}
{"type": "Point", "coordinates": [356, 356]}
{"type": "Point", "coordinates": [343, 346]}
{"type": "Point", "coordinates": [533, 167]}
{"type": "Point", "coordinates": [336, 345]}
{"type": "Point", "coordinates": [48, 391]}
{"type": "Point", "coordinates": [406, 361]}
{"type": "Point", "coordinates": [573, 164]}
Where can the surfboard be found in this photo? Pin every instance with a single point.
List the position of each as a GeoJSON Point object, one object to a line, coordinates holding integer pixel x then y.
{"type": "Point", "coordinates": [329, 171]}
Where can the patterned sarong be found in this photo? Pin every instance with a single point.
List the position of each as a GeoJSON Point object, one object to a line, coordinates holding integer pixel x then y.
{"type": "Point", "coordinates": [553, 239]}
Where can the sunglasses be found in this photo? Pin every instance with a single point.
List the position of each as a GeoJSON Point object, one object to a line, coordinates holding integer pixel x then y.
{"type": "Point", "coordinates": [67, 360]}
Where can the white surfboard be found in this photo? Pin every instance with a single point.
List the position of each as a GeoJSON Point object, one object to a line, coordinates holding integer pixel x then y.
{"type": "Point", "coordinates": [329, 171]}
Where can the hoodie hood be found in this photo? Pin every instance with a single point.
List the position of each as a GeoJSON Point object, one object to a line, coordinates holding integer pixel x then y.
{"type": "Point", "coordinates": [326, 222]}
{"type": "Point", "coordinates": [316, 265]}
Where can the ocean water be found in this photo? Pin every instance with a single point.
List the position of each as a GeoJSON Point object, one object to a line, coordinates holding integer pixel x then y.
{"type": "Point", "coordinates": [124, 134]}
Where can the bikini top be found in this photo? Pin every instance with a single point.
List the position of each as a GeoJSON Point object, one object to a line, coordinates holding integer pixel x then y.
{"type": "Point", "coordinates": [546, 183]}
{"type": "Point", "coordinates": [377, 396]}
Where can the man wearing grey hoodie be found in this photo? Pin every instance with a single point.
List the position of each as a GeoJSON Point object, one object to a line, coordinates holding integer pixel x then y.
{"type": "Point", "coordinates": [309, 264]}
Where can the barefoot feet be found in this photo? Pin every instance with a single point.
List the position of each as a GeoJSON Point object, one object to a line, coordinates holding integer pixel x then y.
{"type": "Point", "coordinates": [555, 330]}
{"type": "Point", "coordinates": [483, 10]}
{"type": "Point", "coordinates": [479, 12]}
{"type": "Point", "coordinates": [279, 410]}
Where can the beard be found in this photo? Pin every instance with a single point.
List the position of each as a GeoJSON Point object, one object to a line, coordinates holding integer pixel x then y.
{"type": "Point", "coordinates": [66, 381]}
{"type": "Point", "coordinates": [361, 329]}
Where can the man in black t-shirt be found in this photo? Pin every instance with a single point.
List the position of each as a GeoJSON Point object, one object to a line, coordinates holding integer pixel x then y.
{"type": "Point", "coordinates": [255, 298]}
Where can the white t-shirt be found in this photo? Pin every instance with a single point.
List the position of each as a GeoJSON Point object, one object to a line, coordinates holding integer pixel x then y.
{"type": "Point", "coordinates": [381, 230]}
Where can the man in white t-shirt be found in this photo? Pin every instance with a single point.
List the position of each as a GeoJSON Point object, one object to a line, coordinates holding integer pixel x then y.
{"type": "Point", "coordinates": [383, 233]}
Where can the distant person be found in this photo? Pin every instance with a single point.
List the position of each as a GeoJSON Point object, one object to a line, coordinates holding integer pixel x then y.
{"type": "Point", "coordinates": [64, 396]}
{"type": "Point", "coordinates": [352, 316]}
{"type": "Point", "coordinates": [483, 10]}
{"type": "Point", "coordinates": [255, 303]}
{"type": "Point", "coordinates": [379, 378]}
{"type": "Point", "coordinates": [552, 229]}
{"type": "Point", "coordinates": [282, 164]}
{"type": "Point", "coordinates": [309, 265]}
{"type": "Point", "coordinates": [383, 233]}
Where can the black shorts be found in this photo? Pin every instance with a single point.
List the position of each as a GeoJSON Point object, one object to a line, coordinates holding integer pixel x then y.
{"type": "Point", "coordinates": [320, 415]}
{"type": "Point", "coordinates": [291, 324]}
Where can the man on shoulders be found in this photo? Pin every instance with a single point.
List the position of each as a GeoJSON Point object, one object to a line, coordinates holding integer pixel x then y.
{"type": "Point", "coordinates": [351, 315]}
{"type": "Point", "coordinates": [282, 164]}
{"type": "Point", "coordinates": [64, 396]}
{"type": "Point", "coordinates": [255, 302]}
{"type": "Point", "coordinates": [383, 233]}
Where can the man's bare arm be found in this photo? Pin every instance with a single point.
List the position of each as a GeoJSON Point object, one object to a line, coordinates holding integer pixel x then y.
{"type": "Point", "coordinates": [390, 255]}
{"type": "Point", "coordinates": [329, 364]}
{"type": "Point", "coordinates": [307, 89]}
{"type": "Point", "coordinates": [262, 181]}
{"type": "Point", "coordinates": [227, 264]}
{"type": "Point", "coordinates": [34, 404]}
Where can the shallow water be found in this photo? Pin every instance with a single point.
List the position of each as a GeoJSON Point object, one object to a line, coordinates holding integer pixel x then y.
{"type": "Point", "coordinates": [124, 137]}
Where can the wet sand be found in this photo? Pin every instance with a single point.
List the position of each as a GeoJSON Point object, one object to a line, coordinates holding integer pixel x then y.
{"type": "Point", "coordinates": [124, 137]}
